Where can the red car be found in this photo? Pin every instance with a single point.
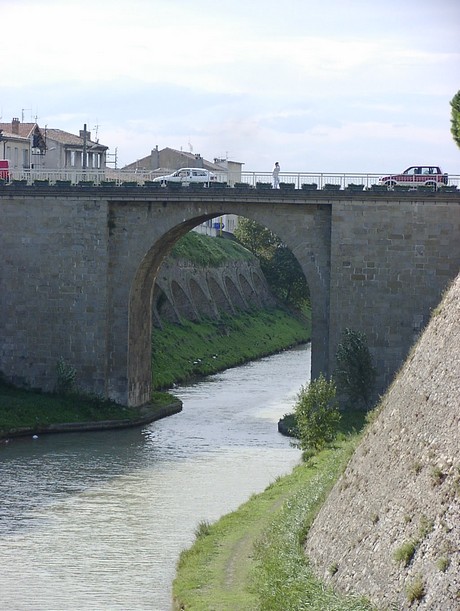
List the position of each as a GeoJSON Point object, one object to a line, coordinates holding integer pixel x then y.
{"type": "Point", "coordinates": [4, 169]}
{"type": "Point", "coordinates": [428, 175]}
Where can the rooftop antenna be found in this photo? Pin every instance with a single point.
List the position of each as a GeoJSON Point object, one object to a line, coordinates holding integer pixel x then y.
{"type": "Point", "coordinates": [22, 113]}
{"type": "Point", "coordinates": [96, 129]}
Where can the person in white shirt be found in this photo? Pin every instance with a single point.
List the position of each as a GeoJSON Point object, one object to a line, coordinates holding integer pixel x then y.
{"type": "Point", "coordinates": [275, 173]}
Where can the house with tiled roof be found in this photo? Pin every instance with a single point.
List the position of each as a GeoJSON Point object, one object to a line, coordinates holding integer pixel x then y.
{"type": "Point", "coordinates": [23, 144]}
{"type": "Point", "coordinates": [66, 151]}
{"type": "Point", "coordinates": [29, 147]}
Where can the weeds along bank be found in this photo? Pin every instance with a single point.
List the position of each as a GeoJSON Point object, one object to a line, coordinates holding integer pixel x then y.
{"type": "Point", "coordinates": [181, 353]}
{"type": "Point", "coordinates": [253, 558]}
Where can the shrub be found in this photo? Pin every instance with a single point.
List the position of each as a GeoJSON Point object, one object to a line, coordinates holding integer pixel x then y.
{"type": "Point", "coordinates": [416, 589]}
{"type": "Point", "coordinates": [355, 374]}
{"type": "Point", "coordinates": [65, 377]}
{"type": "Point", "coordinates": [317, 414]}
{"type": "Point", "coordinates": [406, 552]}
{"type": "Point", "coordinates": [203, 529]}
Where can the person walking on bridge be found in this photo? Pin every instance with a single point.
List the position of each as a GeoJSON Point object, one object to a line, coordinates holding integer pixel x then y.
{"type": "Point", "coordinates": [276, 178]}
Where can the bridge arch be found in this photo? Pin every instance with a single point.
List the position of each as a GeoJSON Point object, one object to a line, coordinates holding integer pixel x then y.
{"type": "Point", "coordinates": [314, 261]}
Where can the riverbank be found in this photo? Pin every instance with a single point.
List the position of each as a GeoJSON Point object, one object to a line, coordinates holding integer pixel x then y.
{"type": "Point", "coordinates": [180, 353]}
{"type": "Point", "coordinates": [25, 413]}
{"type": "Point", "coordinates": [191, 350]}
{"type": "Point", "coordinates": [253, 558]}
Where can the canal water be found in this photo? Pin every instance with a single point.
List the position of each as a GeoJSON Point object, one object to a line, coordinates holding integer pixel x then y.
{"type": "Point", "coordinates": [96, 521]}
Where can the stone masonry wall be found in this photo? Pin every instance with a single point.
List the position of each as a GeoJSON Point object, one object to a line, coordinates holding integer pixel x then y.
{"type": "Point", "coordinates": [390, 263]}
{"type": "Point", "coordinates": [402, 486]}
{"type": "Point", "coordinates": [185, 290]}
{"type": "Point", "coordinates": [53, 286]}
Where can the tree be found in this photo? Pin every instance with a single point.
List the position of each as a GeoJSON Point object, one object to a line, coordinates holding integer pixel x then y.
{"type": "Point", "coordinates": [281, 269]}
{"type": "Point", "coordinates": [317, 415]}
{"type": "Point", "coordinates": [355, 374]}
{"type": "Point", "coordinates": [455, 118]}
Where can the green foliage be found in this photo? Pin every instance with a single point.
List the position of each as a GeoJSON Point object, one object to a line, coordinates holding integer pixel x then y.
{"type": "Point", "coordinates": [183, 352]}
{"type": "Point", "coordinates": [406, 552]}
{"type": "Point", "coordinates": [317, 414]}
{"type": "Point", "coordinates": [443, 564]}
{"type": "Point", "coordinates": [207, 251]}
{"type": "Point", "coordinates": [355, 374]}
{"type": "Point", "coordinates": [254, 557]}
{"type": "Point", "coordinates": [415, 590]}
{"type": "Point", "coordinates": [65, 383]}
{"type": "Point", "coordinates": [281, 269]}
{"type": "Point", "coordinates": [455, 118]}
{"type": "Point", "coordinates": [203, 529]}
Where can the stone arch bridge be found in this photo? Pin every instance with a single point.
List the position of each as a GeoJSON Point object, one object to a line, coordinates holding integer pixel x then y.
{"type": "Point", "coordinates": [78, 268]}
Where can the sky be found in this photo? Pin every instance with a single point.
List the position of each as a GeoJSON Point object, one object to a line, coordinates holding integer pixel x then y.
{"type": "Point", "coordinates": [318, 85]}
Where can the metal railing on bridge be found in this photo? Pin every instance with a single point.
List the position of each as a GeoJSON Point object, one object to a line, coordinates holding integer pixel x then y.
{"type": "Point", "coordinates": [296, 180]}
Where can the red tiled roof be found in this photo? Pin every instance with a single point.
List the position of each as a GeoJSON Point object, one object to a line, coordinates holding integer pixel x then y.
{"type": "Point", "coordinates": [58, 135]}
{"type": "Point", "coordinates": [24, 129]}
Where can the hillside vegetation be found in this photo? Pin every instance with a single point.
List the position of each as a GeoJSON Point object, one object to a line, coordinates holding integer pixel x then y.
{"type": "Point", "coordinates": [181, 353]}
{"type": "Point", "coordinates": [207, 251]}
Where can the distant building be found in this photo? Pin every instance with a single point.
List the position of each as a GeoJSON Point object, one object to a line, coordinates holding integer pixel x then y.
{"type": "Point", "coordinates": [66, 151]}
{"type": "Point", "coordinates": [168, 160]}
{"type": "Point", "coordinates": [29, 147]}
{"type": "Point", "coordinates": [23, 144]}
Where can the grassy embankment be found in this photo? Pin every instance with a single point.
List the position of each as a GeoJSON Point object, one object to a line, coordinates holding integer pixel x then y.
{"type": "Point", "coordinates": [184, 352]}
{"type": "Point", "coordinates": [180, 353]}
{"type": "Point", "coordinates": [253, 558]}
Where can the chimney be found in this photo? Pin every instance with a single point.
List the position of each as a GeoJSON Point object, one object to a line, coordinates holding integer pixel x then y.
{"type": "Point", "coordinates": [82, 135]}
{"type": "Point", "coordinates": [15, 126]}
{"type": "Point", "coordinates": [155, 158]}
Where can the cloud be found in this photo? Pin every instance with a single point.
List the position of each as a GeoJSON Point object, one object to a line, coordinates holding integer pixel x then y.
{"type": "Point", "coordinates": [330, 82]}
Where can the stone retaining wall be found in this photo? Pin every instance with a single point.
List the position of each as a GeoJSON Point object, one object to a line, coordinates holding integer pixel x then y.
{"type": "Point", "coordinates": [401, 489]}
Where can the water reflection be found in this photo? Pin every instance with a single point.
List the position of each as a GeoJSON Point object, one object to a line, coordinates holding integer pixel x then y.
{"type": "Point", "coordinates": [97, 521]}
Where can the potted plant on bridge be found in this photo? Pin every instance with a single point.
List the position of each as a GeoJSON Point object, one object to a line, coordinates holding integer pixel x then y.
{"type": "Point", "coordinates": [354, 188]}
{"type": "Point", "coordinates": [151, 184]}
{"type": "Point", "coordinates": [309, 186]}
{"type": "Point", "coordinates": [379, 188]}
{"type": "Point", "coordinates": [287, 186]}
{"type": "Point", "coordinates": [263, 186]}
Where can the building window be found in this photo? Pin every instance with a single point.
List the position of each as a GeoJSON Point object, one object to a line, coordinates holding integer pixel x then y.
{"type": "Point", "coordinates": [72, 158]}
{"type": "Point", "coordinates": [25, 158]}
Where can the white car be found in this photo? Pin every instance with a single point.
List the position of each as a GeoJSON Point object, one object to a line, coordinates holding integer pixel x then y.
{"type": "Point", "coordinates": [187, 175]}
